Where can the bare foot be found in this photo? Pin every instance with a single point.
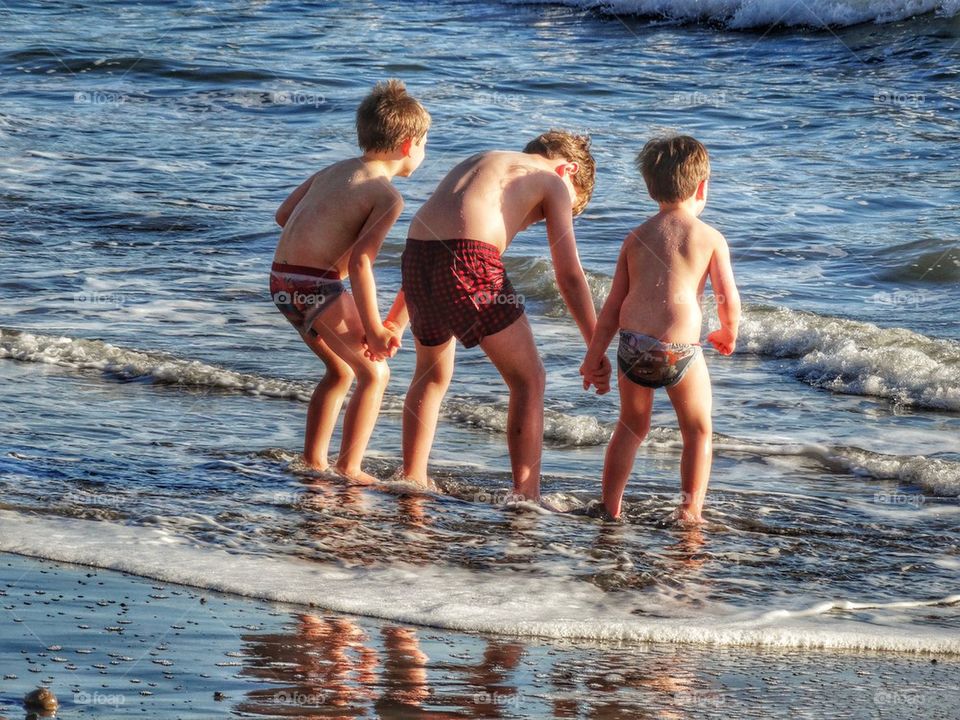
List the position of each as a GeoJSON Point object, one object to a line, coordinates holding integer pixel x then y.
{"type": "Point", "coordinates": [357, 476]}
{"type": "Point", "coordinates": [686, 516]}
{"type": "Point", "coordinates": [300, 466]}
{"type": "Point", "coordinates": [318, 465]}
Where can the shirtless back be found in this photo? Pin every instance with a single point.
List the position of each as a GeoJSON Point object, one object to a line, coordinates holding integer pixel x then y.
{"type": "Point", "coordinates": [490, 197]}
{"type": "Point", "coordinates": [326, 218]}
{"type": "Point", "coordinates": [668, 260]}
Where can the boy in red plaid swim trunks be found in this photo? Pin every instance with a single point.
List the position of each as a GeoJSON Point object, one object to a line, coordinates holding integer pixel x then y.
{"type": "Point", "coordinates": [456, 287]}
{"type": "Point", "coordinates": [333, 227]}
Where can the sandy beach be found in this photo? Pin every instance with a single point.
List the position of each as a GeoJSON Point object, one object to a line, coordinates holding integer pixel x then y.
{"type": "Point", "coordinates": [110, 645]}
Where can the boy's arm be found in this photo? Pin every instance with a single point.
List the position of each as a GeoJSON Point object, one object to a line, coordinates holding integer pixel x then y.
{"type": "Point", "coordinates": [596, 368]}
{"type": "Point", "coordinates": [727, 297]}
{"type": "Point", "coordinates": [288, 205]}
{"type": "Point", "coordinates": [566, 261]}
{"type": "Point", "coordinates": [383, 215]}
{"type": "Point", "coordinates": [398, 316]}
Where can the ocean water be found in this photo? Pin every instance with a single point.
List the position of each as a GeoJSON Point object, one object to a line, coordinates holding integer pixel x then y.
{"type": "Point", "coordinates": [154, 398]}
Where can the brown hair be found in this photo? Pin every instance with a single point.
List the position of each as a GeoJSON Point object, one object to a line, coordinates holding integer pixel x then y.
{"type": "Point", "coordinates": [388, 116]}
{"type": "Point", "coordinates": [559, 144]}
{"type": "Point", "coordinates": [673, 166]}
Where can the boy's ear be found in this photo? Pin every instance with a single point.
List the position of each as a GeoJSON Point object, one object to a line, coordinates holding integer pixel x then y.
{"type": "Point", "coordinates": [702, 189]}
{"type": "Point", "coordinates": [405, 147]}
{"type": "Point", "coordinates": [569, 168]}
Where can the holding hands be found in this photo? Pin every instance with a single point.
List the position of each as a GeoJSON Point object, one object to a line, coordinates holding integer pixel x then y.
{"type": "Point", "coordinates": [596, 371]}
{"type": "Point", "coordinates": [383, 342]}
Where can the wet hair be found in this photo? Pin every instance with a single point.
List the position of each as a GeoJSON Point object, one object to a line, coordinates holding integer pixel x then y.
{"type": "Point", "coordinates": [673, 166]}
{"type": "Point", "coordinates": [388, 116]}
{"type": "Point", "coordinates": [562, 145]}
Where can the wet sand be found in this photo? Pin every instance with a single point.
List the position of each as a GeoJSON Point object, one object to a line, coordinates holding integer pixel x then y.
{"type": "Point", "coordinates": [110, 645]}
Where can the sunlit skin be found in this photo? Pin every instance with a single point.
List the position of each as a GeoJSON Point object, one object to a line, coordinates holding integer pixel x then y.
{"type": "Point", "coordinates": [337, 219]}
{"type": "Point", "coordinates": [660, 277]}
{"type": "Point", "coordinates": [490, 198]}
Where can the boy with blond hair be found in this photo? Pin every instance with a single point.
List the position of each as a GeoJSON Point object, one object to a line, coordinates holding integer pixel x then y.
{"type": "Point", "coordinates": [655, 303]}
{"type": "Point", "coordinates": [333, 226]}
{"type": "Point", "coordinates": [456, 286]}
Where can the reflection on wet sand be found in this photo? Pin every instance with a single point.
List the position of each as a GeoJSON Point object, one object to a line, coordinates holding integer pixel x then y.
{"type": "Point", "coordinates": [331, 667]}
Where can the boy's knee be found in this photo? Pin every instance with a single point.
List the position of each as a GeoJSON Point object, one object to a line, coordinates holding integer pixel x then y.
{"type": "Point", "coordinates": [636, 422]}
{"type": "Point", "coordinates": [699, 430]}
{"type": "Point", "coordinates": [531, 379]}
{"type": "Point", "coordinates": [339, 376]}
{"type": "Point", "coordinates": [373, 374]}
{"type": "Point", "coordinates": [436, 374]}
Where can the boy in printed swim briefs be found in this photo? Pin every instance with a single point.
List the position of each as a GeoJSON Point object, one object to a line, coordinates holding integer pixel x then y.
{"type": "Point", "coordinates": [655, 302]}
{"type": "Point", "coordinates": [456, 287]}
{"type": "Point", "coordinates": [333, 227]}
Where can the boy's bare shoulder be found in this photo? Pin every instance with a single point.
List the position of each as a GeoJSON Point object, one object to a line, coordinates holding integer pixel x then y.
{"type": "Point", "coordinates": [637, 234]}
{"type": "Point", "coordinates": [711, 234]}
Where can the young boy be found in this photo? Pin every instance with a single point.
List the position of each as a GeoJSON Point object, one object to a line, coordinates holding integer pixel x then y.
{"type": "Point", "coordinates": [655, 302]}
{"type": "Point", "coordinates": [456, 287]}
{"type": "Point", "coordinates": [333, 226]}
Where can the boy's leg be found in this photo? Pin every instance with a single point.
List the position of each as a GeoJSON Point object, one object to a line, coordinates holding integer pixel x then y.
{"type": "Point", "coordinates": [693, 403]}
{"type": "Point", "coordinates": [514, 354]}
{"type": "Point", "coordinates": [325, 404]}
{"type": "Point", "coordinates": [421, 406]}
{"type": "Point", "coordinates": [636, 403]}
{"type": "Point", "coordinates": [340, 329]}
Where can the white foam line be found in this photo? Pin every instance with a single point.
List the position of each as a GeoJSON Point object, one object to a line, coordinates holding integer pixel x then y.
{"type": "Point", "coordinates": [444, 597]}
{"type": "Point", "coordinates": [745, 14]}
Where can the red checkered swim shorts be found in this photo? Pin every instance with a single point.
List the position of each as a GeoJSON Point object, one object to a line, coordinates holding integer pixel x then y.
{"type": "Point", "coordinates": [457, 288]}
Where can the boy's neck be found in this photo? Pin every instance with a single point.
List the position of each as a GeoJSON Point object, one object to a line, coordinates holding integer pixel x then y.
{"type": "Point", "coordinates": [382, 164]}
{"type": "Point", "coordinates": [687, 207]}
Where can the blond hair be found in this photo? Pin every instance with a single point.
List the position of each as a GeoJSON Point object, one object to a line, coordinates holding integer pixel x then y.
{"type": "Point", "coordinates": [388, 116]}
{"type": "Point", "coordinates": [673, 166]}
{"type": "Point", "coordinates": [559, 144]}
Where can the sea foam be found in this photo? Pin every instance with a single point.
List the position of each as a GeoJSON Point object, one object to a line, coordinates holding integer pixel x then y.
{"type": "Point", "coordinates": [748, 14]}
{"type": "Point", "coordinates": [781, 333]}
{"type": "Point", "coordinates": [459, 599]}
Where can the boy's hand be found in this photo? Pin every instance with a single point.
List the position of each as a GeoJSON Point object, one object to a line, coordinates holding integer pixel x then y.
{"type": "Point", "coordinates": [596, 371]}
{"type": "Point", "coordinates": [382, 343]}
{"type": "Point", "coordinates": [723, 340]}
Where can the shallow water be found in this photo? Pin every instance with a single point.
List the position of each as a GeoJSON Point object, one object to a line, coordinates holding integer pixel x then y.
{"type": "Point", "coordinates": [150, 382]}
